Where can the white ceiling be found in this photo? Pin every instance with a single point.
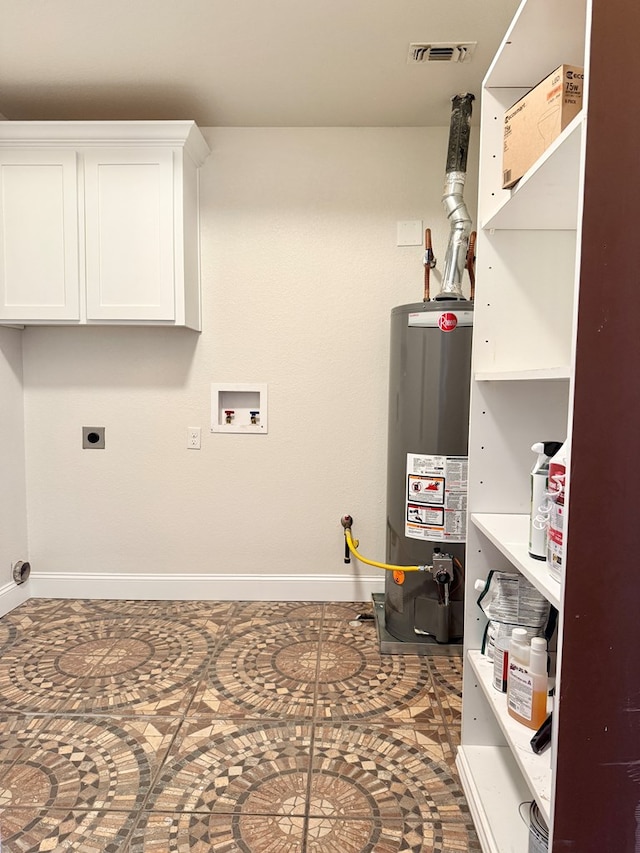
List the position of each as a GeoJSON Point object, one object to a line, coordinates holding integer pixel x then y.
{"type": "Point", "coordinates": [241, 62]}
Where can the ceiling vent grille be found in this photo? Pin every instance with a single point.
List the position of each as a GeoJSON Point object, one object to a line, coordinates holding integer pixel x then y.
{"type": "Point", "coordinates": [441, 52]}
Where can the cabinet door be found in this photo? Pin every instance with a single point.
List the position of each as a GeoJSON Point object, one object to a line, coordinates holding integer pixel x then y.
{"type": "Point", "coordinates": [129, 222]}
{"type": "Point", "coordinates": [39, 260]}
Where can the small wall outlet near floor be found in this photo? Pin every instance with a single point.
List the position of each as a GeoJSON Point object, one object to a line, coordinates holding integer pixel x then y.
{"type": "Point", "coordinates": [237, 407]}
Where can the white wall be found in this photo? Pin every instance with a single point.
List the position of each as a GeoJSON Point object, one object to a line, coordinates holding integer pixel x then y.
{"type": "Point", "coordinates": [300, 270]}
{"type": "Point", "coordinates": [13, 510]}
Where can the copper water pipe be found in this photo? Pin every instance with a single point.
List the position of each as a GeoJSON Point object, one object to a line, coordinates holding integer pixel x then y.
{"type": "Point", "coordinates": [470, 263]}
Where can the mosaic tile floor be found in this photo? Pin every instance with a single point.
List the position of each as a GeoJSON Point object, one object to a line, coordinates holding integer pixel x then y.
{"type": "Point", "coordinates": [214, 727]}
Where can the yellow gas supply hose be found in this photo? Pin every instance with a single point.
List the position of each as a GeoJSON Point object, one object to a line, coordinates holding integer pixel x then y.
{"type": "Point", "coordinates": [352, 545]}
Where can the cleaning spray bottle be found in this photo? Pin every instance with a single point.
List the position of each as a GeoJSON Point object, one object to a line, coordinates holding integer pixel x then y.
{"type": "Point", "coordinates": [539, 510]}
{"type": "Point", "coordinates": [556, 492]}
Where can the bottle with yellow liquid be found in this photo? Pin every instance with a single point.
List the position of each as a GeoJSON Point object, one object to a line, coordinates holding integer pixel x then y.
{"type": "Point", "coordinates": [538, 669]}
{"type": "Point", "coordinates": [527, 679]}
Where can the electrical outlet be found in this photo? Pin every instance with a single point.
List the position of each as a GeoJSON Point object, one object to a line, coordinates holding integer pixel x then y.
{"type": "Point", "coordinates": [193, 438]}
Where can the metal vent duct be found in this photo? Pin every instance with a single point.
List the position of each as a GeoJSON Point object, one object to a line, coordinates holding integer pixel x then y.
{"type": "Point", "coordinates": [441, 52]}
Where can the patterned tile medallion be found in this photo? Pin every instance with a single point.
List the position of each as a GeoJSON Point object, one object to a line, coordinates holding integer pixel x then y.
{"type": "Point", "coordinates": [217, 611]}
{"type": "Point", "coordinates": [346, 611]}
{"type": "Point", "coordinates": [15, 734]}
{"type": "Point", "coordinates": [325, 835]}
{"type": "Point", "coordinates": [452, 838]}
{"type": "Point", "coordinates": [8, 635]}
{"type": "Point", "coordinates": [363, 771]}
{"type": "Point", "coordinates": [30, 830]}
{"type": "Point", "coordinates": [110, 607]}
{"type": "Point", "coordinates": [40, 671]}
{"type": "Point", "coordinates": [31, 616]}
{"type": "Point", "coordinates": [254, 768]}
{"type": "Point", "coordinates": [39, 609]}
{"type": "Point", "coordinates": [446, 673]}
{"type": "Point", "coordinates": [265, 670]}
{"type": "Point", "coordinates": [107, 665]}
{"type": "Point", "coordinates": [221, 727]}
{"type": "Point", "coordinates": [215, 833]}
{"type": "Point", "coordinates": [277, 611]}
{"type": "Point", "coordinates": [329, 835]}
{"type": "Point", "coordinates": [356, 682]}
{"type": "Point", "coordinates": [33, 612]}
{"type": "Point", "coordinates": [80, 763]}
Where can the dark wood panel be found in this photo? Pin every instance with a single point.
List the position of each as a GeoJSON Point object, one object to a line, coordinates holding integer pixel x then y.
{"type": "Point", "coordinates": [598, 776]}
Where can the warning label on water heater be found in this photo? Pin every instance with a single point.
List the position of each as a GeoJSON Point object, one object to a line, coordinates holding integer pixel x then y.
{"type": "Point", "coordinates": [436, 497]}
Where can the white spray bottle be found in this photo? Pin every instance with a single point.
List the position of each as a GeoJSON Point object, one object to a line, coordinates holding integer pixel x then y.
{"type": "Point", "coordinates": [539, 510]}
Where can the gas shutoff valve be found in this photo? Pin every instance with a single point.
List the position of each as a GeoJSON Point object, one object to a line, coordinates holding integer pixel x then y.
{"type": "Point", "coordinates": [442, 569]}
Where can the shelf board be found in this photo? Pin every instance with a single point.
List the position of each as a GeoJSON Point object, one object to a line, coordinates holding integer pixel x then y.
{"type": "Point", "coordinates": [535, 769]}
{"type": "Point", "coordinates": [494, 788]}
{"type": "Point", "coordinates": [510, 535]}
{"type": "Point", "coordinates": [558, 32]}
{"type": "Point", "coordinates": [546, 197]}
{"type": "Point", "coordinates": [563, 372]}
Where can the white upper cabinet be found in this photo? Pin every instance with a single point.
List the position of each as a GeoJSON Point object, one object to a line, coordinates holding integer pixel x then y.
{"type": "Point", "coordinates": [129, 225]}
{"type": "Point", "coordinates": [39, 245]}
{"type": "Point", "coordinates": [100, 223]}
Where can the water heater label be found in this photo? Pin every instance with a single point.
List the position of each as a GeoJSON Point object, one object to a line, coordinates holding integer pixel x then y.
{"type": "Point", "coordinates": [447, 321]}
{"type": "Point", "coordinates": [436, 497]}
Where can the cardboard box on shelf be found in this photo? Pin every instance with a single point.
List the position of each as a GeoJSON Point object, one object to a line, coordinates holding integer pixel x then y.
{"type": "Point", "coordinates": [538, 118]}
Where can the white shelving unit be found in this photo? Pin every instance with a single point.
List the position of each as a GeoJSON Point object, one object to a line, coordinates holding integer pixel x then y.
{"type": "Point", "coordinates": [522, 387]}
{"type": "Point", "coordinates": [518, 375]}
{"type": "Point", "coordinates": [535, 770]}
{"type": "Point", "coordinates": [546, 196]}
{"type": "Point", "coordinates": [510, 535]}
{"type": "Point", "coordinates": [491, 778]}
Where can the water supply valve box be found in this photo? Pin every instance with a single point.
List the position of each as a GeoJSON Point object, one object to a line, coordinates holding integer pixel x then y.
{"type": "Point", "coordinates": [239, 407]}
{"type": "Point", "coordinates": [533, 122]}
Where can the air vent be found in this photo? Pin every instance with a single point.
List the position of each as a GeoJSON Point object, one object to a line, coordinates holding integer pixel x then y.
{"type": "Point", "coordinates": [441, 52]}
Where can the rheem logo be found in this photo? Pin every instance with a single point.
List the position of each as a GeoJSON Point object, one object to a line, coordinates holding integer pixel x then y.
{"type": "Point", "coordinates": [447, 321]}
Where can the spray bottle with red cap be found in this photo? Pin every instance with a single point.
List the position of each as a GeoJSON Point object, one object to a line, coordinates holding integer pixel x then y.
{"type": "Point", "coordinates": [557, 490]}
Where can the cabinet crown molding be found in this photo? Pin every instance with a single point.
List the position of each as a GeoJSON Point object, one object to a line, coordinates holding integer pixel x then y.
{"type": "Point", "coordinates": [82, 134]}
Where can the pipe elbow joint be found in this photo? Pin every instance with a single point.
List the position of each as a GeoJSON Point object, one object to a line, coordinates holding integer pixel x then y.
{"type": "Point", "coordinates": [456, 208]}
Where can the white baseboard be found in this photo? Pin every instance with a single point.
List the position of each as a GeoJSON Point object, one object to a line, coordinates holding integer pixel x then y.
{"type": "Point", "coordinates": [192, 587]}
{"type": "Point", "coordinates": [13, 595]}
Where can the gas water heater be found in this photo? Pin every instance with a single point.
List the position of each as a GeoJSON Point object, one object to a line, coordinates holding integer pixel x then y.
{"type": "Point", "coordinates": [429, 386]}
